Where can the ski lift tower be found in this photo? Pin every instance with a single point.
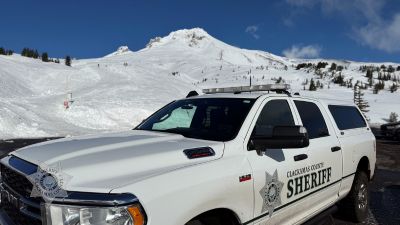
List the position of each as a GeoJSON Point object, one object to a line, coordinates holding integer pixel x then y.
{"type": "Point", "coordinates": [68, 98]}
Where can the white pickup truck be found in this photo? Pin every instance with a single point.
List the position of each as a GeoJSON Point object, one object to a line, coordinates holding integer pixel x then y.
{"type": "Point", "coordinates": [227, 157]}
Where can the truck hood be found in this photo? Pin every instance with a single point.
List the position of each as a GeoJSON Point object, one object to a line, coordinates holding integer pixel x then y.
{"type": "Point", "coordinates": [104, 162]}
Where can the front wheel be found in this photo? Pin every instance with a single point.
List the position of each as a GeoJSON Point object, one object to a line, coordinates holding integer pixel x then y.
{"type": "Point", "coordinates": [355, 206]}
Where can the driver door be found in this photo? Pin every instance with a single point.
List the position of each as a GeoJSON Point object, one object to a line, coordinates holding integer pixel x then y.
{"type": "Point", "coordinates": [277, 201]}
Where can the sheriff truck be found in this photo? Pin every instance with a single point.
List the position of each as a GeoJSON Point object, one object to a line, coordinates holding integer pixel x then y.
{"type": "Point", "coordinates": [237, 155]}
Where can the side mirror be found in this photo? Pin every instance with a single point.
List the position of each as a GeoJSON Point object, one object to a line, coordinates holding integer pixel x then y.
{"type": "Point", "coordinates": [281, 137]}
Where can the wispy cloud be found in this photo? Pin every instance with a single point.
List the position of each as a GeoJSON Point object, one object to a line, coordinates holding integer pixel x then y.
{"type": "Point", "coordinates": [252, 30]}
{"type": "Point", "coordinates": [365, 18]}
{"type": "Point", "coordinates": [382, 35]}
{"type": "Point", "coordinates": [298, 51]}
{"type": "Point", "coordinates": [288, 22]}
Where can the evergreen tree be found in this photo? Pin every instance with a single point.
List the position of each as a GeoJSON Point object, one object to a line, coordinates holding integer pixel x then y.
{"type": "Point", "coordinates": [24, 52]}
{"type": "Point", "coordinates": [398, 68]}
{"type": "Point", "coordinates": [393, 88]}
{"type": "Point", "coordinates": [29, 53]}
{"type": "Point", "coordinates": [390, 69]}
{"type": "Point", "coordinates": [312, 86]}
{"type": "Point", "coordinates": [45, 57]}
{"type": "Point", "coordinates": [321, 65]}
{"type": "Point", "coordinates": [379, 86]}
{"type": "Point", "coordinates": [333, 67]}
{"type": "Point", "coordinates": [369, 74]}
{"type": "Point", "coordinates": [339, 79]}
{"type": "Point", "coordinates": [376, 88]}
{"type": "Point", "coordinates": [370, 82]}
{"type": "Point", "coordinates": [380, 77]}
{"type": "Point", "coordinates": [318, 84]}
{"type": "Point", "coordinates": [68, 60]}
{"type": "Point", "coordinates": [35, 54]}
{"type": "Point", "coordinates": [393, 117]}
{"type": "Point", "coordinates": [2, 51]}
{"type": "Point", "coordinates": [304, 65]}
{"type": "Point", "coordinates": [359, 100]}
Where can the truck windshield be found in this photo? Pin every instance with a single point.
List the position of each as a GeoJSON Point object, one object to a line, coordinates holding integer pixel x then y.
{"type": "Point", "coordinates": [217, 119]}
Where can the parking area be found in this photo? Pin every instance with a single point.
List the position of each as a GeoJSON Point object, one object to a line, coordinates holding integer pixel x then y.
{"type": "Point", "coordinates": [7, 146]}
{"type": "Point", "coordinates": [384, 190]}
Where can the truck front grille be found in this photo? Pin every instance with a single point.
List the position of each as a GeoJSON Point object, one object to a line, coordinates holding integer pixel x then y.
{"type": "Point", "coordinates": [19, 187]}
{"type": "Point", "coordinates": [16, 181]}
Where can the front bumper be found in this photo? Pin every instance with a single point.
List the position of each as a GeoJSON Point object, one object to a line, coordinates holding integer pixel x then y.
{"type": "Point", "coordinates": [4, 219]}
{"type": "Point", "coordinates": [19, 209]}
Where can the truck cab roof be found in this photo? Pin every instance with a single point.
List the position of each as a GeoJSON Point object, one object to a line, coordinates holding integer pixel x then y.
{"type": "Point", "coordinates": [258, 94]}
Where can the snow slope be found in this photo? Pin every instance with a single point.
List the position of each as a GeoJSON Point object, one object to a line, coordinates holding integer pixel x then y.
{"type": "Point", "coordinates": [119, 90]}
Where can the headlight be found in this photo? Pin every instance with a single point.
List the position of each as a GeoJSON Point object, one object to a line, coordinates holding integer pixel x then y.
{"type": "Point", "coordinates": [77, 215]}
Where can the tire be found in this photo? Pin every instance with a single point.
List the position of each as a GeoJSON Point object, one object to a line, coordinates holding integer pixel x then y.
{"type": "Point", "coordinates": [354, 206]}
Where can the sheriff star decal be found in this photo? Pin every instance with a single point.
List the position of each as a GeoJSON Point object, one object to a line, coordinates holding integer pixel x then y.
{"type": "Point", "coordinates": [49, 182]}
{"type": "Point", "coordinates": [271, 193]}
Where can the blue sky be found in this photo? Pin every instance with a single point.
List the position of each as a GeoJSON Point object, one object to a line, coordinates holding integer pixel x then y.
{"type": "Point", "coordinates": [362, 30]}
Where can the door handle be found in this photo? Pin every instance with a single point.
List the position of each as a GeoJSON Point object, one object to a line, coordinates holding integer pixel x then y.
{"type": "Point", "coordinates": [300, 157]}
{"type": "Point", "coordinates": [336, 148]}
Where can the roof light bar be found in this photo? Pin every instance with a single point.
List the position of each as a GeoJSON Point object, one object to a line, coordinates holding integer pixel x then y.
{"type": "Point", "coordinates": [266, 87]}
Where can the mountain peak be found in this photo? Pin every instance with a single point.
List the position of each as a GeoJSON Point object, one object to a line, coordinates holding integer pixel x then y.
{"type": "Point", "coordinates": [189, 32]}
{"type": "Point", "coordinates": [120, 51]}
{"type": "Point", "coordinates": [190, 36]}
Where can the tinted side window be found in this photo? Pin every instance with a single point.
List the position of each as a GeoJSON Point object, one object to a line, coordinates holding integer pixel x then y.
{"type": "Point", "coordinates": [312, 119]}
{"type": "Point", "coordinates": [347, 117]}
{"type": "Point", "coordinates": [275, 113]}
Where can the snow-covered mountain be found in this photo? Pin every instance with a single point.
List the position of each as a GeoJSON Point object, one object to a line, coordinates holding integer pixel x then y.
{"type": "Point", "coordinates": [119, 90]}
{"type": "Point", "coordinates": [120, 51]}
